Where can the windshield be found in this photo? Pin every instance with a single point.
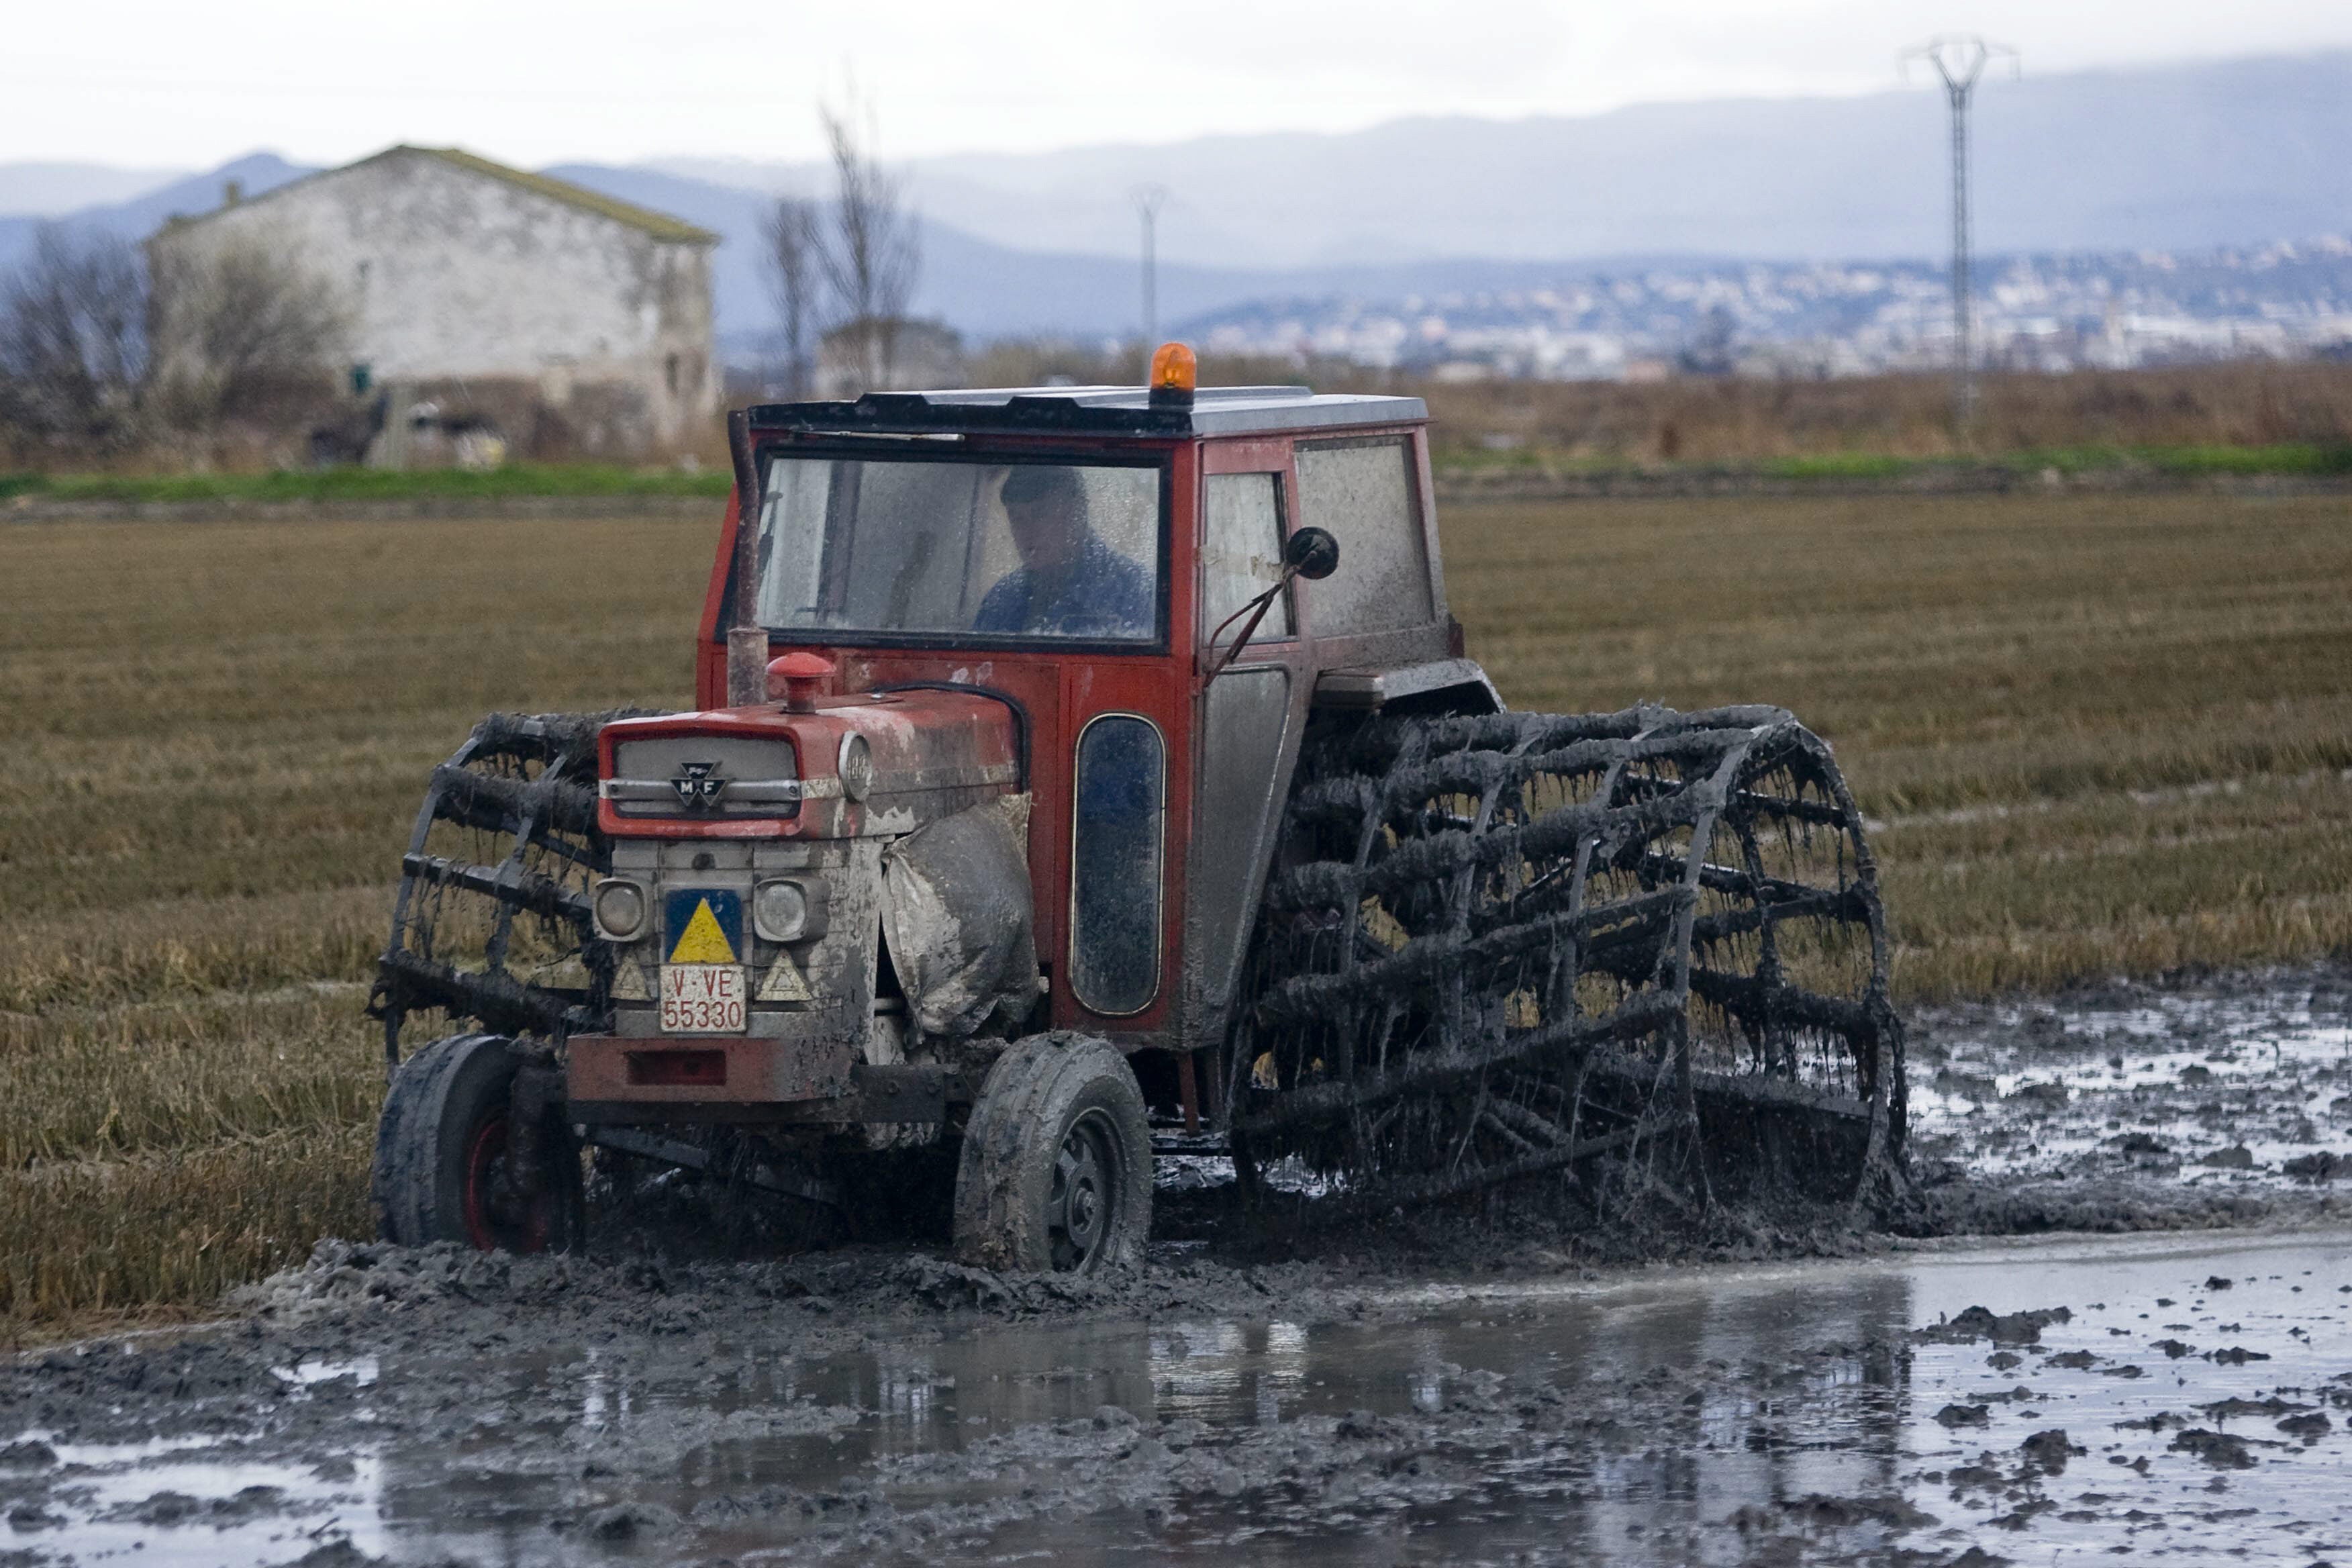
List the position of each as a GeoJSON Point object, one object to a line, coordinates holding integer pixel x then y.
{"type": "Point", "coordinates": [887, 545]}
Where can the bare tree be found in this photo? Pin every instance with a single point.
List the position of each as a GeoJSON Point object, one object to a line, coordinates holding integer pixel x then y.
{"type": "Point", "coordinates": [873, 253]}
{"type": "Point", "coordinates": [73, 345]}
{"type": "Point", "coordinates": [794, 245]}
{"type": "Point", "coordinates": [244, 331]}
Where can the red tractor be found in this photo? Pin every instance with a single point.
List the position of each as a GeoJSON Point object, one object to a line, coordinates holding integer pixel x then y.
{"type": "Point", "coordinates": [1078, 767]}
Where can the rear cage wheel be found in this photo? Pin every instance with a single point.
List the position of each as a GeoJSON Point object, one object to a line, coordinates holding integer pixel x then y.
{"type": "Point", "coordinates": [491, 923]}
{"type": "Point", "coordinates": [1507, 945]}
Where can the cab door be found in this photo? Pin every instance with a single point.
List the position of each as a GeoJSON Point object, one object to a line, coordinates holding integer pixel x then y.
{"type": "Point", "coordinates": [1249, 718]}
{"type": "Point", "coordinates": [1126, 722]}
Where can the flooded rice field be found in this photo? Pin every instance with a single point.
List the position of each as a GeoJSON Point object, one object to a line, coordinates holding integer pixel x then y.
{"type": "Point", "coordinates": [2178, 1395]}
{"type": "Point", "coordinates": [2041, 1402]}
{"type": "Point", "coordinates": [2223, 1088]}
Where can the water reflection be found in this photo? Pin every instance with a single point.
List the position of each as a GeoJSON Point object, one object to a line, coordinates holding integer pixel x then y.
{"type": "Point", "coordinates": [691, 1434]}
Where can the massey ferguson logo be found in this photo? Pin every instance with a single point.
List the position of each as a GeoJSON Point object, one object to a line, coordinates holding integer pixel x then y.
{"type": "Point", "coordinates": [697, 789]}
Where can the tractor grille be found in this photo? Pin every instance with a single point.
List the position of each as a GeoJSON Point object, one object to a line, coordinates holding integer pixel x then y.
{"type": "Point", "coordinates": [703, 776]}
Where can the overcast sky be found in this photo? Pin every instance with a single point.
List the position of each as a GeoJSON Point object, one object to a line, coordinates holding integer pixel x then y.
{"type": "Point", "coordinates": [146, 83]}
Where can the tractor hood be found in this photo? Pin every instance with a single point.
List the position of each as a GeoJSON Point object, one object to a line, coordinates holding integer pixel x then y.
{"type": "Point", "coordinates": [871, 763]}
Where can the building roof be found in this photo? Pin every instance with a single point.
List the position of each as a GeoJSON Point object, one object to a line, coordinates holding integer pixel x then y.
{"type": "Point", "coordinates": [1091, 410]}
{"type": "Point", "coordinates": [660, 225]}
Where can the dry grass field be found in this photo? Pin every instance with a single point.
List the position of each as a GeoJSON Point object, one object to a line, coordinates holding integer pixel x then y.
{"type": "Point", "coordinates": [2236, 406]}
{"type": "Point", "coordinates": [2094, 735]}
{"type": "Point", "coordinates": [215, 735]}
{"type": "Point", "coordinates": [2241, 404]}
{"type": "Point", "coordinates": [2101, 735]}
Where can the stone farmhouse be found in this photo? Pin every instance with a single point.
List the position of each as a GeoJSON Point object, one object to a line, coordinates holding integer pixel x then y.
{"type": "Point", "coordinates": [490, 290]}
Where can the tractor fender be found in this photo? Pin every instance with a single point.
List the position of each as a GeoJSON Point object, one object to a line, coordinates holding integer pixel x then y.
{"type": "Point", "coordinates": [958, 915]}
{"type": "Point", "coordinates": [1434, 686]}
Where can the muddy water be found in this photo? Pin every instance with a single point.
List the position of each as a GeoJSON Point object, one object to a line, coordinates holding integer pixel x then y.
{"type": "Point", "coordinates": [2245, 1089]}
{"type": "Point", "coordinates": [2191, 1404]}
{"type": "Point", "coordinates": [1708, 1414]}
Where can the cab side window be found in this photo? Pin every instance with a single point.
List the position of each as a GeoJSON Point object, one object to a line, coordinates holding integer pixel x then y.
{"type": "Point", "coordinates": [1366, 492]}
{"type": "Point", "coordinates": [1241, 551]}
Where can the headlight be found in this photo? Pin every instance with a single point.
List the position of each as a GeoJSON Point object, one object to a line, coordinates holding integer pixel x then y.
{"type": "Point", "coordinates": [780, 911]}
{"type": "Point", "coordinates": [620, 909]}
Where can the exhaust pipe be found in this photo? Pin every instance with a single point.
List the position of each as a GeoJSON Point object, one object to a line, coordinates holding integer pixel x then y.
{"type": "Point", "coordinates": [747, 640]}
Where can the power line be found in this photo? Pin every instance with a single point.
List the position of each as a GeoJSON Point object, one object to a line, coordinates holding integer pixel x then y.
{"type": "Point", "coordinates": [1961, 61]}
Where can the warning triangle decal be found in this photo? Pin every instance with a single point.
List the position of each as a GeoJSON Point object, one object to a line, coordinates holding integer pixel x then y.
{"type": "Point", "coordinates": [702, 942]}
{"type": "Point", "coordinates": [783, 983]}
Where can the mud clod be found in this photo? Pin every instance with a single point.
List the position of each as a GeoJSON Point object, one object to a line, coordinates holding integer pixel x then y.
{"type": "Point", "coordinates": [1821, 1512]}
{"type": "Point", "coordinates": [2049, 1451]}
{"type": "Point", "coordinates": [2000, 1327]}
{"type": "Point", "coordinates": [632, 1522]}
{"type": "Point", "coordinates": [1978, 1557]}
{"type": "Point", "coordinates": [172, 1507]}
{"type": "Point", "coordinates": [343, 1554]}
{"type": "Point", "coordinates": [2219, 1449]}
{"type": "Point", "coordinates": [2233, 1409]}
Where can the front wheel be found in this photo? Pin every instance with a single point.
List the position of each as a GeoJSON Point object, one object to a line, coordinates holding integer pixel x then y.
{"type": "Point", "coordinates": [1056, 1174]}
{"type": "Point", "coordinates": [450, 1157]}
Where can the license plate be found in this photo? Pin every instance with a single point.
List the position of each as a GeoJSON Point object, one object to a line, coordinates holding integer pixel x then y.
{"type": "Point", "coordinates": [703, 998]}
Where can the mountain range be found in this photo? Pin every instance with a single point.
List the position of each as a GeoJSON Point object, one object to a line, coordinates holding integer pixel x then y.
{"type": "Point", "coordinates": [2179, 156]}
{"type": "Point", "coordinates": [2153, 158]}
{"type": "Point", "coordinates": [983, 289]}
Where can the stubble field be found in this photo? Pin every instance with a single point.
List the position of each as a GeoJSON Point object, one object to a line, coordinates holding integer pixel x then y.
{"type": "Point", "coordinates": [2099, 735]}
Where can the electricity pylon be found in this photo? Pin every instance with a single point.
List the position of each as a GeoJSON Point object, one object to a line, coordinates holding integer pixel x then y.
{"type": "Point", "coordinates": [1960, 61]}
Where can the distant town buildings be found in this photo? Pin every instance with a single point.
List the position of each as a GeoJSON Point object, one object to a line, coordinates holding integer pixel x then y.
{"type": "Point", "coordinates": [528, 300]}
{"type": "Point", "coordinates": [2033, 313]}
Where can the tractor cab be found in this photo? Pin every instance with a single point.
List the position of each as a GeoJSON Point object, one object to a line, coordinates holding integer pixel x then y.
{"type": "Point", "coordinates": [1120, 604]}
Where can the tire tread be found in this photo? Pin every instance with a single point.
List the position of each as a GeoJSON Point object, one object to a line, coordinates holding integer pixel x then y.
{"type": "Point", "coordinates": [997, 1224]}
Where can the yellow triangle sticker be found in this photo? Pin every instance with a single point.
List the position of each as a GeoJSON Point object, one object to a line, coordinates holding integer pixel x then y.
{"type": "Point", "coordinates": [702, 942]}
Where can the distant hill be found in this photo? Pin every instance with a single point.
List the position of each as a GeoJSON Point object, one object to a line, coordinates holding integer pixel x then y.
{"type": "Point", "coordinates": [45, 190]}
{"type": "Point", "coordinates": [2217, 153]}
{"type": "Point", "coordinates": [990, 290]}
{"type": "Point", "coordinates": [140, 216]}
{"type": "Point", "coordinates": [2177, 158]}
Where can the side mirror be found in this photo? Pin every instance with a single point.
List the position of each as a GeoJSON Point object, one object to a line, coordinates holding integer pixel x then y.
{"type": "Point", "coordinates": [1312, 553]}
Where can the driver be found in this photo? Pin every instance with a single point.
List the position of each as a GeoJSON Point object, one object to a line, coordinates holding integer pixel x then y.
{"type": "Point", "coordinates": [1069, 583]}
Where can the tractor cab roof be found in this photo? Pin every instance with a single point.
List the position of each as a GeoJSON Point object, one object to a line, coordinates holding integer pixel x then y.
{"type": "Point", "coordinates": [1092, 411]}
